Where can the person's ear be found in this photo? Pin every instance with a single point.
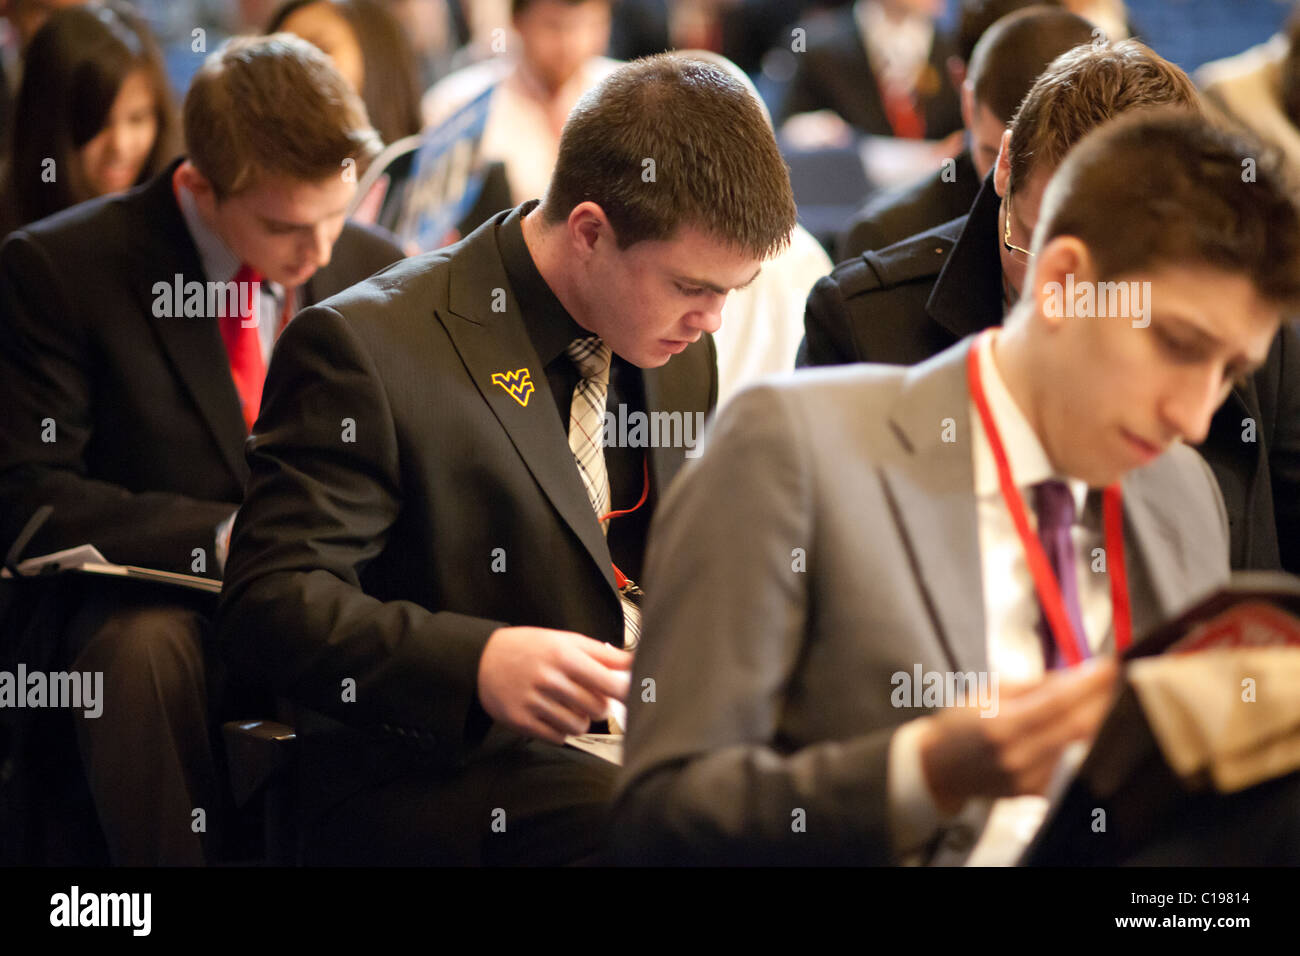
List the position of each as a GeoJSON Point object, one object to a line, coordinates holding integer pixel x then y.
{"type": "Point", "coordinates": [200, 187]}
{"type": "Point", "coordinates": [1049, 276]}
{"type": "Point", "coordinates": [587, 227]}
{"type": "Point", "coordinates": [1002, 168]}
{"type": "Point", "coordinates": [967, 106]}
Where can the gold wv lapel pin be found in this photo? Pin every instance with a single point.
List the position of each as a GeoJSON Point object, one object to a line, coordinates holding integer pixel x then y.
{"type": "Point", "coordinates": [518, 384]}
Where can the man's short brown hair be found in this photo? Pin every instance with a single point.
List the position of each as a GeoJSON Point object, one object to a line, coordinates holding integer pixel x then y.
{"type": "Point", "coordinates": [669, 141]}
{"type": "Point", "coordinates": [273, 104]}
{"type": "Point", "coordinates": [1083, 88]}
{"type": "Point", "coordinates": [976, 16]}
{"type": "Point", "coordinates": [1013, 53]}
{"type": "Point", "coordinates": [1166, 187]}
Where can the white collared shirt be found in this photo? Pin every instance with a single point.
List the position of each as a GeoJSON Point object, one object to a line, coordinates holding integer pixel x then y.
{"type": "Point", "coordinates": [898, 50]}
{"type": "Point", "coordinates": [1011, 614]}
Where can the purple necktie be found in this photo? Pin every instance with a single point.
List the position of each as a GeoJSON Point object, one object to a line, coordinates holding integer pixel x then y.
{"type": "Point", "coordinates": [1054, 503]}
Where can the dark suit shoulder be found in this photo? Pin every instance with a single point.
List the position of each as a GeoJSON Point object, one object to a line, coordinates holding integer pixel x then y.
{"type": "Point", "coordinates": [100, 227]}
{"type": "Point", "coordinates": [360, 251]}
{"type": "Point", "coordinates": [366, 244]}
{"type": "Point", "coordinates": [416, 284]}
{"type": "Point", "coordinates": [919, 257]}
{"type": "Point", "coordinates": [897, 214]}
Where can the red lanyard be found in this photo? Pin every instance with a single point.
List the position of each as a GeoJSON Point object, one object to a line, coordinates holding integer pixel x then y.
{"type": "Point", "coordinates": [620, 578]}
{"type": "Point", "coordinates": [1073, 647]}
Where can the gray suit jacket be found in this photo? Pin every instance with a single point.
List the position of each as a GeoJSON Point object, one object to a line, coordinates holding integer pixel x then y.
{"type": "Point", "coordinates": [827, 539]}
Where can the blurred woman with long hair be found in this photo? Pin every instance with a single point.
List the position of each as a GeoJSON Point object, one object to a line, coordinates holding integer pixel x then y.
{"type": "Point", "coordinates": [95, 114]}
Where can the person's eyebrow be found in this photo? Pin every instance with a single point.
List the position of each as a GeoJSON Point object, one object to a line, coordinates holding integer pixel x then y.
{"type": "Point", "coordinates": [284, 224]}
{"type": "Point", "coordinates": [1205, 335]}
{"type": "Point", "coordinates": [686, 280]}
{"type": "Point", "coordinates": [1248, 365]}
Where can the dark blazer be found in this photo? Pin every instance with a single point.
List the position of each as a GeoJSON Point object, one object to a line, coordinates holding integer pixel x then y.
{"type": "Point", "coordinates": [834, 73]}
{"type": "Point", "coordinates": [910, 301]}
{"type": "Point", "coordinates": [893, 216]}
{"type": "Point", "coordinates": [373, 559]}
{"type": "Point", "coordinates": [148, 455]}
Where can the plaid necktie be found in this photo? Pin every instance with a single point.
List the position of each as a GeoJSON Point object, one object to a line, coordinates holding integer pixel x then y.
{"type": "Point", "coordinates": [586, 429]}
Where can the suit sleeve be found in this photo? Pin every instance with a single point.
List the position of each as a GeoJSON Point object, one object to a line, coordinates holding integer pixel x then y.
{"type": "Point", "coordinates": [827, 338]}
{"type": "Point", "coordinates": [728, 620]}
{"type": "Point", "coordinates": [319, 508]}
{"type": "Point", "coordinates": [48, 390]}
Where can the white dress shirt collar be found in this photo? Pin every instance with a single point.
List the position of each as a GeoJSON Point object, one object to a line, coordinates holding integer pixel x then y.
{"type": "Point", "coordinates": [219, 263]}
{"type": "Point", "coordinates": [1029, 462]}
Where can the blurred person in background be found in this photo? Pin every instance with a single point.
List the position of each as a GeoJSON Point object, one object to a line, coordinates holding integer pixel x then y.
{"type": "Point", "coordinates": [1003, 66]}
{"type": "Point", "coordinates": [1260, 89]}
{"type": "Point", "coordinates": [1110, 15]}
{"type": "Point", "coordinates": [369, 48]}
{"type": "Point", "coordinates": [535, 79]}
{"type": "Point", "coordinates": [879, 65]}
{"type": "Point", "coordinates": [436, 29]}
{"type": "Point", "coordinates": [94, 115]}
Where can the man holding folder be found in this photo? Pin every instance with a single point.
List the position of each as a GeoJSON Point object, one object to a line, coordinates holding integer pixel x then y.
{"type": "Point", "coordinates": [134, 336]}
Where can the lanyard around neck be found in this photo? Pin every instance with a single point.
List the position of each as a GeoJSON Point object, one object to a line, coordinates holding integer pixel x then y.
{"type": "Point", "coordinates": [1073, 647]}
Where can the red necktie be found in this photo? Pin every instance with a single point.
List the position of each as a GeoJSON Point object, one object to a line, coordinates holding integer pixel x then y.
{"type": "Point", "coordinates": [903, 116]}
{"type": "Point", "coordinates": [243, 344]}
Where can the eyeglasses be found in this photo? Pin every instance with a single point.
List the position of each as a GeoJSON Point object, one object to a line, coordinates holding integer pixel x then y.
{"type": "Point", "coordinates": [1006, 235]}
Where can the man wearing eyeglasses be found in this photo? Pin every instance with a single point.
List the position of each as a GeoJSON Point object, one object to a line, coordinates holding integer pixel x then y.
{"type": "Point", "coordinates": [910, 301]}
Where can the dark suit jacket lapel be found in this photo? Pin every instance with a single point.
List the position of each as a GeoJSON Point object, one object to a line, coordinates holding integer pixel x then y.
{"type": "Point", "coordinates": [163, 249]}
{"type": "Point", "coordinates": [497, 343]}
{"type": "Point", "coordinates": [967, 295]}
{"type": "Point", "coordinates": [932, 493]}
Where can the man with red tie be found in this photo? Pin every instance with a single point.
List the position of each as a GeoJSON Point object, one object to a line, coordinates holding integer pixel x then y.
{"type": "Point", "coordinates": [135, 333]}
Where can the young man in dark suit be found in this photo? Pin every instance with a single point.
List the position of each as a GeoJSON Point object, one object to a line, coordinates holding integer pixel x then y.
{"type": "Point", "coordinates": [917, 297]}
{"type": "Point", "coordinates": [1003, 66]}
{"type": "Point", "coordinates": [134, 333]}
{"type": "Point", "coordinates": [433, 553]}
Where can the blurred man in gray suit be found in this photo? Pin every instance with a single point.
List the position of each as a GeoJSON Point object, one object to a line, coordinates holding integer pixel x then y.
{"type": "Point", "coordinates": [861, 551]}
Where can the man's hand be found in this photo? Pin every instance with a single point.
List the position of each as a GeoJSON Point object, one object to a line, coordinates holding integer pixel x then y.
{"type": "Point", "coordinates": [965, 755]}
{"type": "Point", "coordinates": [550, 684]}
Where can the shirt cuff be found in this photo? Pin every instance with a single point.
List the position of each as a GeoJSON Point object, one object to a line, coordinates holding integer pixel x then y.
{"type": "Point", "coordinates": [913, 817]}
{"type": "Point", "coordinates": [223, 541]}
